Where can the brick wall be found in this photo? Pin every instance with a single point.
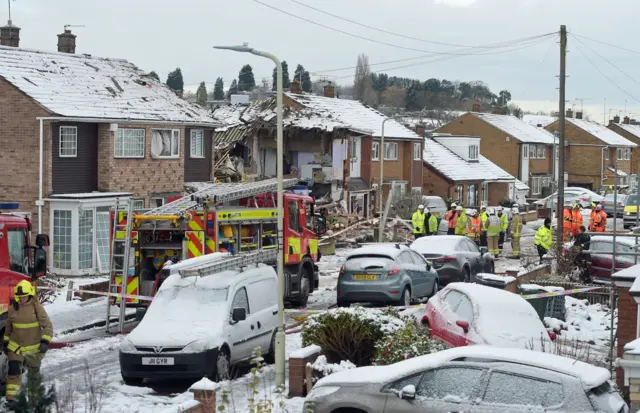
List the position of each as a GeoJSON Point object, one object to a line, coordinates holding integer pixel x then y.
{"type": "Point", "coordinates": [365, 164]}
{"type": "Point", "coordinates": [627, 324]}
{"type": "Point", "coordinates": [635, 153]}
{"type": "Point", "coordinates": [497, 192]}
{"type": "Point", "coordinates": [434, 183]}
{"type": "Point", "coordinates": [297, 369]}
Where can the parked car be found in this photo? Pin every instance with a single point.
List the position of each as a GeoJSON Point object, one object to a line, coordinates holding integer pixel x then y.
{"type": "Point", "coordinates": [436, 205]}
{"type": "Point", "coordinates": [572, 195]}
{"type": "Point", "coordinates": [479, 379]}
{"type": "Point", "coordinates": [608, 205]}
{"type": "Point", "coordinates": [599, 265]}
{"type": "Point", "coordinates": [199, 326]}
{"type": "Point", "coordinates": [630, 211]}
{"type": "Point", "coordinates": [454, 257]}
{"type": "Point", "coordinates": [385, 274]}
{"type": "Point", "coordinates": [464, 314]}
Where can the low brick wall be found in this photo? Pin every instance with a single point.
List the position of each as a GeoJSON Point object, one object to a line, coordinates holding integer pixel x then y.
{"type": "Point", "coordinates": [297, 369]}
{"type": "Point", "coordinates": [531, 275]}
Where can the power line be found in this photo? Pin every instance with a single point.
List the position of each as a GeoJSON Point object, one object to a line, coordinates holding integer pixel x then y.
{"type": "Point", "coordinates": [605, 59]}
{"type": "Point", "coordinates": [541, 63]}
{"type": "Point", "coordinates": [605, 43]}
{"type": "Point", "coordinates": [605, 76]}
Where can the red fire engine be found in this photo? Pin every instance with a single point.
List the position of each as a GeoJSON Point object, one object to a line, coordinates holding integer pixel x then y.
{"type": "Point", "coordinates": [226, 217]}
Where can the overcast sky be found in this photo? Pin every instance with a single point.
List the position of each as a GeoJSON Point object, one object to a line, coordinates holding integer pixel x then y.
{"type": "Point", "coordinates": [161, 35]}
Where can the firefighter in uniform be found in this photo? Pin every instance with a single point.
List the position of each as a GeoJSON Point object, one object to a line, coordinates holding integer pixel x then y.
{"type": "Point", "coordinates": [461, 221]}
{"type": "Point", "coordinates": [516, 230]}
{"type": "Point", "coordinates": [430, 223]}
{"type": "Point", "coordinates": [576, 222]}
{"type": "Point", "coordinates": [600, 220]}
{"type": "Point", "coordinates": [417, 221]}
{"type": "Point", "coordinates": [28, 333]}
{"type": "Point", "coordinates": [592, 216]}
{"type": "Point", "coordinates": [475, 225]}
{"type": "Point", "coordinates": [484, 217]}
{"type": "Point", "coordinates": [504, 224]}
{"type": "Point", "coordinates": [451, 217]}
{"type": "Point", "coordinates": [566, 223]}
{"type": "Point", "coordinates": [493, 232]}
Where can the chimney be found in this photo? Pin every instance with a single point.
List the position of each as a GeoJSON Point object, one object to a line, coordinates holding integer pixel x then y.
{"type": "Point", "coordinates": [633, 122]}
{"type": "Point", "coordinates": [296, 87]}
{"type": "Point", "coordinates": [10, 35]}
{"type": "Point", "coordinates": [476, 106]}
{"type": "Point", "coordinates": [420, 130]}
{"type": "Point", "coordinates": [616, 119]}
{"type": "Point", "coordinates": [625, 120]}
{"type": "Point", "coordinates": [67, 42]}
{"type": "Point", "coordinates": [569, 113]}
{"type": "Point", "coordinates": [497, 110]}
{"type": "Point", "coordinates": [578, 115]}
{"type": "Point", "coordinates": [329, 90]}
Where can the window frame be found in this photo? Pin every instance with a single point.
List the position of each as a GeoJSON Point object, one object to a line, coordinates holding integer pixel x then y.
{"type": "Point", "coordinates": [173, 135]}
{"type": "Point", "coordinates": [541, 152]}
{"type": "Point", "coordinates": [627, 154]}
{"type": "Point", "coordinates": [606, 154]}
{"type": "Point", "coordinates": [473, 192]}
{"type": "Point", "coordinates": [525, 151]}
{"type": "Point", "coordinates": [533, 152]}
{"type": "Point", "coordinates": [138, 200]}
{"type": "Point", "coordinates": [620, 154]}
{"type": "Point", "coordinates": [417, 155]}
{"type": "Point", "coordinates": [24, 252]}
{"type": "Point", "coordinates": [295, 220]}
{"type": "Point", "coordinates": [57, 238]}
{"type": "Point", "coordinates": [375, 151]}
{"type": "Point", "coordinates": [474, 152]}
{"type": "Point", "coordinates": [154, 199]}
{"type": "Point", "coordinates": [122, 155]}
{"type": "Point", "coordinates": [460, 193]}
{"type": "Point", "coordinates": [192, 145]}
{"type": "Point", "coordinates": [75, 142]}
{"type": "Point", "coordinates": [246, 294]}
{"type": "Point", "coordinates": [395, 144]}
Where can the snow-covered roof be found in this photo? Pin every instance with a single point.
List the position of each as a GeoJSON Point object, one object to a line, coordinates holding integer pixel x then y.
{"type": "Point", "coordinates": [542, 120]}
{"type": "Point", "coordinates": [520, 130]}
{"type": "Point", "coordinates": [82, 86]}
{"type": "Point", "coordinates": [355, 115]}
{"type": "Point", "coordinates": [521, 186]}
{"type": "Point", "coordinates": [590, 376]}
{"type": "Point", "coordinates": [602, 133]}
{"type": "Point", "coordinates": [632, 129]}
{"type": "Point", "coordinates": [457, 169]}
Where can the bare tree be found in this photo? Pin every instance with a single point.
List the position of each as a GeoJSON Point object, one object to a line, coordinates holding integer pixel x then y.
{"type": "Point", "coordinates": [362, 82]}
{"type": "Point", "coordinates": [393, 96]}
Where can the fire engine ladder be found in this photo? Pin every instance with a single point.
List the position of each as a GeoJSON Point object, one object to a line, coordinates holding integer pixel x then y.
{"type": "Point", "coordinates": [231, 262]}
{"type": "Point", "coordinates": [120, 261]}
{"type": "Point", "coordinates": [217, 194]}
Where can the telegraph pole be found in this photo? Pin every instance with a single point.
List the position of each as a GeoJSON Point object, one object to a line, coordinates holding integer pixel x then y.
{"type": "Point", "coordinates": [561, 112]}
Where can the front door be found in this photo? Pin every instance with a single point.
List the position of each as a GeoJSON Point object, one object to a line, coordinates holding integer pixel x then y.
{"type": "Point", "coordinates": [356, 149]}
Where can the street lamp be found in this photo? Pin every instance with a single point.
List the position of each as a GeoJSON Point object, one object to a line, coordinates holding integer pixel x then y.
{"type": "Point", "coordinates": [280, 337]}
{"type": "Point", "coordinates": [381, 156]}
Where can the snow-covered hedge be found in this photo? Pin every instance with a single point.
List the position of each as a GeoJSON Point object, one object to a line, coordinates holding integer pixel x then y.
{"type": "Point", "coordinates": [407, 343]}
{"type": "Point", "coordinates": [351, 333]}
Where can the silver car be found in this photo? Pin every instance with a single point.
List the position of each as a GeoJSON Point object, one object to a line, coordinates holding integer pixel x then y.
{"type": "Point", "coordinates": [385, 274]}
{"type": "Point", "coordinates": [475, 379]}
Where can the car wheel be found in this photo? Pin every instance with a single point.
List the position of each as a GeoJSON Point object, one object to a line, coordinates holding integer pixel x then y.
{"type": "Point", "coordinates": [132, 381]}
{"type": "Point", "coordinates": [435, 288]}
{"type": "Point", "coordinates": [270, 356]}
{"type": "Point", "coordinates": [223, 365]}
{"type": "Point", "coordinates": [467, 275]}
{"type": "Point", "coordinates": [342, 303]}
{"type": "Point", "coordinates": [406, 297]}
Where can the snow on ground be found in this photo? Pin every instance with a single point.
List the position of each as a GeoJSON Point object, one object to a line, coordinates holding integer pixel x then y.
{"type": "Point", "coordinates": [589, 323]}
{"type": "Point", "coordinates": [328, 269]}
{"type": "Point", "coordinates": [70, 315]}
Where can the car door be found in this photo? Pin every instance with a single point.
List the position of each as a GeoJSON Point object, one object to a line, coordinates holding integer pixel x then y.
{"type": "Point", "coordinates": [409, 268]}
{"type": "Point", "coordinates": [463, 312]}
{"type": "Point", "coordinates": [447, 319]}
{"type": "Point", "coordinates": [240, 334]}
{"type": "Point", "coordinates": [475, 258]}
{"type": "Point", "coordinates": [462, 250]}
{"type": "Point", "coordinates": [601, 263]}
{"type": "Point", "coordinates": [427, 277]}
{"type": "Point", "coordinates": [263, 304]}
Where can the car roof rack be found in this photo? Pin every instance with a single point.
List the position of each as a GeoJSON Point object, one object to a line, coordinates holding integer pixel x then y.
{"type": "Point", "coordinates": [231, 263]}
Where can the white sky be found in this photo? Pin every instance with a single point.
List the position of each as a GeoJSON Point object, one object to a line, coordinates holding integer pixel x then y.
{"type": "Point", "coordinates": [161, 35]}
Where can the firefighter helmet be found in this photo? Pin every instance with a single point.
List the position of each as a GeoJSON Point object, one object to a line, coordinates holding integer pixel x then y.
{"type": "Point", "coordinates": [24, 288]}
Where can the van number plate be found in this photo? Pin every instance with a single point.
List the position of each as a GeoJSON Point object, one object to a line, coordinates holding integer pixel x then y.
{"type": "Point", "coordinates": [157, 361]}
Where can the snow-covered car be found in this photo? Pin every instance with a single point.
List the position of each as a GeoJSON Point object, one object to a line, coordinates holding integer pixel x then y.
{"type": "Point", "coordinates": [465, 314]}
{"type": "Point", "coordinates": [599, 265]}
{"type": "Point", "coordinates": [479, 379]}
{"type": "Point", "coordinates": [198, 326]}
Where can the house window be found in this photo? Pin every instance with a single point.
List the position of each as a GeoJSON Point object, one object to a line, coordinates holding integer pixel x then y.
{"type": "Point", "coordinates": [398, 188]}
{"type": "Point", "coordinates": [606, 154]}
{"type": "Point", "coordinates": [417, 152]}
{"type": "Point", "coordinates": [62, 239]}
{"type": "Point", "coordinates": [138, 204]}
{"type": "Point", "coordinates": [627, 154]}
{"type": "Point", "coordinates": [129, 143]}
{"type": "Point", "coordinates": [471, 195]}
{"type": "Point", "coordinates": [541, 152]}
{"type": "Point", "coordinates": [197, 144]}
{"type": "Point", "coordinates": [619, 154]}
{"type": "Point", "coordinates": [103, 239]}
{"type": "Point", "coordinates": [532, 151]}
{"type": "Point", "coordinates": [534, 183]}
{"type": "Point", "coordinates": [460, 189]}
{"type": "Point", "coordinates": [85, 239]}
{"type": "Point", "coordinates": [156, 202]}
{"type": "Point", "coordinates": [165, 143]}
{"type": "Point", "coordinates": [375, 149]}
{"type": "Point", "coordinates": [525, 151]}
{"type": "Point", "coordinates": [68, 141]}
{"type": "Point", "coordinates": [390, 151]}
{"type": "Point", "coordinates": [354, 148]}
{"type": "Point", "coordinates": [474, 152]}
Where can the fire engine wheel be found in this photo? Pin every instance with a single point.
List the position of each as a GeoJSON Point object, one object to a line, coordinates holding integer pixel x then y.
{"type": "Point", "coordinates": [305, 289]}
{"type": "Point", "coordinates": [223, 365]}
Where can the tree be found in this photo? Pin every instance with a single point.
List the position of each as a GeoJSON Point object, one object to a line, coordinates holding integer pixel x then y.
{"type": "Point", "coordinates": [304, 78]}
{"type": "Point", "coordinates": [218, 89]}
{"type": "Point", "coordinates": [154, 75]}
{"type": "Point", "coordinates": [175, 82]}
{"type": "Point", "coordinates": [393, 96]}
{"type": "Point", "coordinates": [362, 80]}
{"type": "Point", "coordinates": [233, 89]}
{"type": "Point", "coordinates": [286, 83]}
{"type": "Point", "coordinates": [513, 109]}
{"type": "Point", "coordinates": [201, 94]}
{"type": "Point", "coordinates": [504, 97]}
{"type": "Point", "coordinates": [246, 81]}
{"type": "Point", "coordinates": [36, 398]}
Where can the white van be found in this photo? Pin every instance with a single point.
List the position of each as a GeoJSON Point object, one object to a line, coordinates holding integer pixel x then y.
{"type": "Point", "coordinates": [199, 326]}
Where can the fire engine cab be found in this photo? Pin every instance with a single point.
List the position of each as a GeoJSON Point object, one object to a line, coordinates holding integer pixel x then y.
{"type": "Point", "coordinates": [236, 218]}
{"type": "Point", "coordinates": [18, 259]}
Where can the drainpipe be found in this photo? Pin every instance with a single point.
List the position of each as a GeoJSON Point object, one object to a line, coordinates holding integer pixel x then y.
{"type": "Point", "coordinates": [40, 202]}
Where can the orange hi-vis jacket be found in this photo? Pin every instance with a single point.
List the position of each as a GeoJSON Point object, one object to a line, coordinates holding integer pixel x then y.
{"type": "Point", "coordinates": [600, 222]}
{"type": "Point", "coordinates": [576, 222]}
{"type": "Point", "coordinates": [452, 217]}
{"type": "Point", "coordinates": [568, 219]}
{"type": "Point", "coordinates": [474, 227]}
{"type": "Point", "coordinates": [592, 219]}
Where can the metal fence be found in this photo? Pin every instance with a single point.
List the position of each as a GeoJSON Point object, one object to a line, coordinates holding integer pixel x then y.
{"type": "Point", "coordinates": [600, 296]}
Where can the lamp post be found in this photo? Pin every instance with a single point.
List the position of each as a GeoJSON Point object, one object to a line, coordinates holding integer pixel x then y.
{"type": "Point", "coordinates": [280, 336]}
{"type": "Point", "coordinates": [381, 156]}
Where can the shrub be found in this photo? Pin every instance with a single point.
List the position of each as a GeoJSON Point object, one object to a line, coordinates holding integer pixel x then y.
{"type": "Point", "coordinates": [407, 343]}
{"type": "Point", "coordinates": [350, 333]}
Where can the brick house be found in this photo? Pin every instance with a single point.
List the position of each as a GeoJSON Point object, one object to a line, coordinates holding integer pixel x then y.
{"type": "Point", "coordinates": [521, 149]}
{"type": "Point", "coordinates": [630, 130]}
{"type": "Point", "coordinates": [592, 167]}
{"type": "Point", "coordinates": [453, 168]}
{"type": "Point", "coordinates": [89, 130]}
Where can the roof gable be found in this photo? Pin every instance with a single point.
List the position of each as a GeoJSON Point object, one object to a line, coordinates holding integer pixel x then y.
{"type": "Point", "coordinates": [632, 129]}
{"type": "Point", "coordinates": [518, 129]}
{"type": "Point", "coordinates": [82, 86]}
{"type": "Point", "coordinates": [601, 133]}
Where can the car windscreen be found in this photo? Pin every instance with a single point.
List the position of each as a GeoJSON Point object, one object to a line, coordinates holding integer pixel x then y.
{"type": "Point", "coordinates": [632, 200]}
{"type": "Point", "coordinates": [368, 262]}
{"type": "Point", "coordinates": [435, 245]}
{"type": "Point", "coordinates": [434, 202]}
{"type": "Point", "coordinates": [182, 301]}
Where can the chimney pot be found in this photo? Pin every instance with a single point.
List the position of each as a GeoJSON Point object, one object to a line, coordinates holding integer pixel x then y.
{"type": "Point", "coordinates": [10, 35]}
{"type": "Point", "coordinates": [569, 113]}
{"type": "Point", "coordinates": [578, 115]}
{"type": "Point", "coordinates": [420, 130]}
{"type": "Point", "coordinates": [616, 119]}
{"type": "Point", "coordinates": [625, 120]}
{"type": "Point", "coordinates": [633, 122]}
{"type": "Point", "coordinates": [296, 87]}
{"type": "Point", "coordinates": [329, 90]}
{"type": "Point", "coordinates": [476, 106]}
{"type": "Point", "coordinates": [67, 42]}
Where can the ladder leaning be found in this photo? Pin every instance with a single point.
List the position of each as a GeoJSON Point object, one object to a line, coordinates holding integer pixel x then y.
{"type": "Point", "coordinates": [120, 260]}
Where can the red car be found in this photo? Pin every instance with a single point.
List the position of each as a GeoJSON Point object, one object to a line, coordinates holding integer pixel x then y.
{"type": "Point", "coordinates": [465, 314]}
{"type": "Point", "coordinates": [599, 265]}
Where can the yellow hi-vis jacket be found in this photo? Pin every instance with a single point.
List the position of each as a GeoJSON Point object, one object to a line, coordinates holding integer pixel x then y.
{"type": "Point", "coordinates": [417, 221]}
{"type": "Point", "coordinates": [27, 326]}
{"type": "Point", "coordinates": [504, 222]}
{"type": "Point", "coordinates": [543, 238]}
{"type": "Point", "coordinates": [493, 226]}
{"type": "Point", "coordinates": [516, 225]}
{"type": "Point", "coordinates": [484, 217]}
{"type": "Point", "coordinates": [431, 223]}
{"type": "Point", "coordinates": [461, 223]}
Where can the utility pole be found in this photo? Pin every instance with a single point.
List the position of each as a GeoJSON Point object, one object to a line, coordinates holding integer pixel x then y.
{"type": "Point", "coordinates": [561, 112]}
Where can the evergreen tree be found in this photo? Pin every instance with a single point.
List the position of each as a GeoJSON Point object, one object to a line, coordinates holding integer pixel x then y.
{"type": "Point", "coordinates": [218, 89]}
{"type": "Point", "coordinates": [154, 75]}
{"type": "Point", "coordinates": [246, 81]}
{"type": "Point", "coordinates": [286, 83]}
{"type": "Point", "coordinates": [201, 94]}
{"type": "Point", "coordinates": [233, 89]}
{"type": "Point", "coordinates": [304, 78]}
{"type": "Point", "coordinates": [36, 398]}
{"type": "Point", "coordinates": [175, 81]}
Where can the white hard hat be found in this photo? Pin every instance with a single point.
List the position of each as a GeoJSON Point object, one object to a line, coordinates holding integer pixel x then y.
{"type": "Point", "coordinates": [459, 208]}
{"type": "Point", "coordinates": [515, 210]}
{"type": "Point", "coordinates": [499, 208]}
{"type": "Point", "coordinates": [491, 211]}
{"type": "Point", "coordinates": [420, 206]}
{"type": "Point", "coordinates": [453, 204]}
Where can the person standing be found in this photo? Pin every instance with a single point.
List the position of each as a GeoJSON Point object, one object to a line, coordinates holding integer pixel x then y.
{"type": "Point", "coordinates": [474, 227]}
{"type": "Point", "coordinates": [543, 238]}
{"type": "Point", "coordinates": [27, 335]}
{"type": "Point", "coordinates": [493, 232]}
{"type": "Point", "coordinates": [504, 224]}
{"type": "Point", "coordinates": [430, 223]}
{"type": "Point", "coordinates": [417, 221]}
{"type": "Point", "coordinates": [600, 220]}
{"type": "Point", "coordinates": [592, 216]}
{"type": "Point", "coordinates": [567, 223]}
{"type": "Point", "coordinates": [451, 217]}
{"type": "Point", "coordinates": [484, 217]}
{"type": "Point", "coordinates": [516, 230]}
{"type": "Point", "coordinates": [461, 221]}
{"type": "Point", "coordinates": [576, 221]}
